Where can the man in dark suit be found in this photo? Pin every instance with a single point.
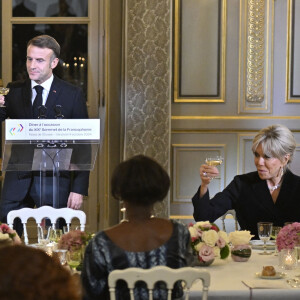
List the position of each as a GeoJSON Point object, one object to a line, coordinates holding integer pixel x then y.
{"type": "Point", "coordinates": [24, 101]}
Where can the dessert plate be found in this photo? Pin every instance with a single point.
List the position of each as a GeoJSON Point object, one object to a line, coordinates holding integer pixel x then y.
{"type": "Point", "coordinates": [278, 275]}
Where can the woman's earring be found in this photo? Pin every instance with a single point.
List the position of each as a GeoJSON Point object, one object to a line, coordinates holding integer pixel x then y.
{"type": "Point", "coordinates": [281, 172]}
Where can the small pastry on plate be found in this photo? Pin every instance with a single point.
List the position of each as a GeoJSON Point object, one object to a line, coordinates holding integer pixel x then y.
{"type": "Point", "coordinates": [268, 271]}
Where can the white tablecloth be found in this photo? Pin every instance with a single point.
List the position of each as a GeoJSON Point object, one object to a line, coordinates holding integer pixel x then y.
{"type": "Point", "coordinates": [227, 277]}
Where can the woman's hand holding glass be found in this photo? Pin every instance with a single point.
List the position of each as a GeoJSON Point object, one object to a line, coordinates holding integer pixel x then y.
{"type": "Point", "coordinates": [207, 173]}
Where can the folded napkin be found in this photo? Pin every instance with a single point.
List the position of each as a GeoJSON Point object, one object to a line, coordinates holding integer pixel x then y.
{"type": "Point", "coordinates": [265, 284]}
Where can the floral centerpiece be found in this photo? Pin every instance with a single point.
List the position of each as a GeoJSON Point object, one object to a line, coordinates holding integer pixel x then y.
{"type": "Point", "coordinates": [288, 237]}
{"type": "Point", "coordinates": [241, 250]}
{"type": "Point", "coordinates": [74, 239]}
{"type": "Point", "coordinates": [208, 241]}
{"type": "Point", "coordinates": [241, 237]}
{"type": "Point", "coordinates": [8, 235]}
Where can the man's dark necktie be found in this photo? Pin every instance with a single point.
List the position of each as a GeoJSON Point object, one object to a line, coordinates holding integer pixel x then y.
{"type": "Point", "coordinates": [38, 101]}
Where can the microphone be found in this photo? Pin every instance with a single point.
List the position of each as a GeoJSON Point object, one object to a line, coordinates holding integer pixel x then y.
{"type": "Point", "coordinates": [42, 112]}
{"type": "Point", "coordinates": [57, 109]}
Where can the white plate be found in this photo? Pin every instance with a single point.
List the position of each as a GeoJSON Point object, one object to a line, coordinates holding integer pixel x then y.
{"type": "Point", "coordinates": [258, 244]}
{"type": "Point", "coordinates": [279, 275]}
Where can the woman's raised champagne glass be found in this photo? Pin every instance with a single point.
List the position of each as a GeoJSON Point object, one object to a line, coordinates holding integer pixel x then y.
{"type": "Point", "coordinates": [214, 161]}
{"type": "Point", "coordinates": [264, 233]}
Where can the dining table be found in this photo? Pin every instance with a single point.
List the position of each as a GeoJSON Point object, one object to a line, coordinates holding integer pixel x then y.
{"type": "Point", "coordinates": [242, 280]}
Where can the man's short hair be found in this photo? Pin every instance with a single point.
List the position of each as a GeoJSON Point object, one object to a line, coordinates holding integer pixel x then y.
{"type": "Point", "coordinates": [46, 41]}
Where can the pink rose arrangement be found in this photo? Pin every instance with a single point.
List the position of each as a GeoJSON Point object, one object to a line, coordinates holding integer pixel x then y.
{"type": "Point", "coordinates": [208, 241]}
{"type": "Point", "coordinates": [288, 237]}
{"type": "Point", "coordinates": [8, 234]}
{"type": "Point", "coordinates": [74, 239]}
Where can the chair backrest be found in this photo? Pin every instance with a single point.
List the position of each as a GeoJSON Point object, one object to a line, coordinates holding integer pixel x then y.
{"type": "Point", "coordinates": [229, 225]}
{"type": "Point", "coordinates": [45, 212]}
{"type": "Point", "coordinates": [159, 273]}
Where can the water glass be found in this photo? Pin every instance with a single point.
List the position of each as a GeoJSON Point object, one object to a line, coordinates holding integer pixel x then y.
{"type": "Point", "coordinates": [264, 232]}
{"type": "Point", "coordinates": [74, 258]}
{"type": "Point", "coordinates": [275, 231]}
{"type": "Point", "coordinates": [61, 254]}
{"type": "Point", "coordinates": [55, 235]}
{"type": "Point", "coordinates": [69, 228]}
{"type": "Point", "coordinates": [297, 249]}
{"type": "Point", "coordinates": [43, 234]}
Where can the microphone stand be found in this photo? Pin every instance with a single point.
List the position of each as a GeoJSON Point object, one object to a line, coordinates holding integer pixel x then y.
{"type": "Point", "coordinates": [58, 115]}
{"type": "Point", "coordinates": [43, 168]}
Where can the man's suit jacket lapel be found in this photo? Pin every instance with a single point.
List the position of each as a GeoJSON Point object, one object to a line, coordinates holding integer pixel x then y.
{"type": "Point", "coordinates": [52, 97]}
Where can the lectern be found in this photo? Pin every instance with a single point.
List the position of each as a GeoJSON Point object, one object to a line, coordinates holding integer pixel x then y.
{"type": "Point", "coordinates": [49, 146]}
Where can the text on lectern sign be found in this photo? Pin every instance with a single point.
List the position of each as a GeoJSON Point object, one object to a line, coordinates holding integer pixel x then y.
{"type": "Point", "coordinates": [52, 129]}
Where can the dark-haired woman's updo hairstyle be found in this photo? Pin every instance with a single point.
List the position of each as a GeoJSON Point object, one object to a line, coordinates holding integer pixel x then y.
{"type": "Point", "coordinates": [140, 180]}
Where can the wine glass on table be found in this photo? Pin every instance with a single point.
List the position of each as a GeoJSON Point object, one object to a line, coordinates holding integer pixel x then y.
{"type": "Point", "coordinates": [74, 257]}
{"type": "Point", "coordinates": [61, 255]}
{"type": "Point", "coordinates": [275, 231]}
{"type": "Point", "coordinates": [3, 92]}
{"type": "Point", "coordinates": [43, 235]}
{"type": "Point", "coordinates": [55, 235]}
{"type": "Point", "coordinates": [264, 233]}
{"type": "Point", "coordinates": [214, 161]}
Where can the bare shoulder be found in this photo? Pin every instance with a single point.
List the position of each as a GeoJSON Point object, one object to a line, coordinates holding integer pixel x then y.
{"type": "Point", "coordinates": [134, 236]}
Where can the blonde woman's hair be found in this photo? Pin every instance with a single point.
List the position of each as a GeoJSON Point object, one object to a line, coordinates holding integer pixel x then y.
{"type": "Point", "coordinates": [276, 141]}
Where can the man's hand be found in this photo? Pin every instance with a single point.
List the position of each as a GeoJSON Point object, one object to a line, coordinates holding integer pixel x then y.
{"type": "Point", "coordinates": [2, 100]}
{"type": "Point", "coordinates": [75, 200]}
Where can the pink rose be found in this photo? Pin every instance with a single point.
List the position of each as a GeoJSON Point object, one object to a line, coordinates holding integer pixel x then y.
{"type": "Point", "coordinates": [221, 242]}
{"type": "Point", "coordinates": [206, 253]}
{"type": "Point", "coordinates": [213, 227]}
{"type": "Point", "coordinates": [288, 237]}
{"type": "Point", "coordinates": [4, 228]}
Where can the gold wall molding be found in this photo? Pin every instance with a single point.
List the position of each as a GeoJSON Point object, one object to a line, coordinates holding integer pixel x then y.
{"type": "Point", "coordinates": [255, 51]}
{"type": "Point", "coordinates": [181, 36]}
{"type": "Point", "coordinates": [187, 158]}
{"type": "Point", "coordinates": [244, 159]}
{"type": "Point", "coordinates": [256, 56]}
{"type": "Point", "coordinates": [291, 53]}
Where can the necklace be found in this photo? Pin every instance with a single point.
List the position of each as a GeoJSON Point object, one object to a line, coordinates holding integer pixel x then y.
{"type": "Point", "coordinates": [275, 187]}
